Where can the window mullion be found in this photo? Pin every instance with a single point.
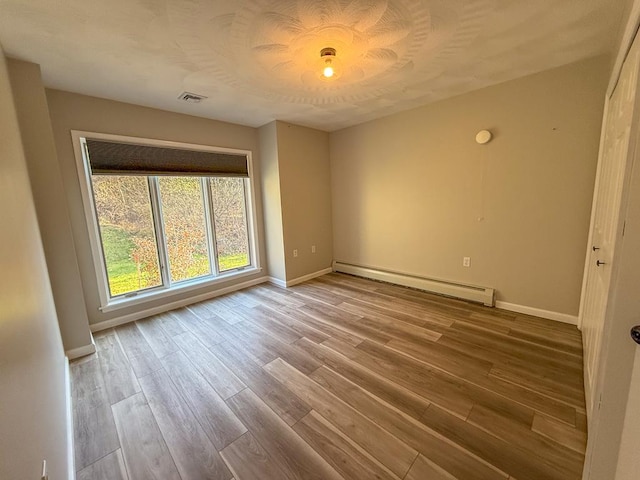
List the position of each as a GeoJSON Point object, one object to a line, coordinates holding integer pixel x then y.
{"type": "Point", "coordinates": [204, 182]}
{"type": "Point", "coordinates": [158, 222]}
{"type": "Point", "coordinates": [249, 220]}
{"type": "Point", "coordinates": [213, 246]}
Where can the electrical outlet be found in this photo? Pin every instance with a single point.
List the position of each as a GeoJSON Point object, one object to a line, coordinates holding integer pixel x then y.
{"type": "Point", "coordinates": [466, 261]}
{"type": "Point", "coordinates": [313, 249]}
{"type": "Point", "coordinates": [295, 252]}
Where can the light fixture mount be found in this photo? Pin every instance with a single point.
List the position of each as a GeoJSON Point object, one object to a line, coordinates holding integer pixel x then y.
{"type": "Point", "coordinates": [328, 52]}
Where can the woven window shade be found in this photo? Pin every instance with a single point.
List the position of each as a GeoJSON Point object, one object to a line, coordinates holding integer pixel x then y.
{"type": "Point", "coordinates": [113, 158]}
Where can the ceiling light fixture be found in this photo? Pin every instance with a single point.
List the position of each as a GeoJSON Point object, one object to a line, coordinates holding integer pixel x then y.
{"type": "Point", "coordinates": [328, 55]}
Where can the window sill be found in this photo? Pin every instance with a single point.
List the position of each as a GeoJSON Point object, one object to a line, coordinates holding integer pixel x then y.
{"type": "Point", "coordinates": [160, 293]}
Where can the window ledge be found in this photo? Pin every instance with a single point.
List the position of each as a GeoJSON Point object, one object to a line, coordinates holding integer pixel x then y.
{"type": "Point", "coordinates": [162, 292]}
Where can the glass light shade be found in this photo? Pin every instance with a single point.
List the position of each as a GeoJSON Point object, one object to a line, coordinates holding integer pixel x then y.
{"type": "Point", "coordinates": [328, 69]}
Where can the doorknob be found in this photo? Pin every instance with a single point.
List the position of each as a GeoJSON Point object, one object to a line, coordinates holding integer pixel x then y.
{"type": "Point", "coordinates": [598, 263]}
{"type": "Point", "coordinates": [635, 334]}
{"type": "Point", "coordinates": [594, 248]}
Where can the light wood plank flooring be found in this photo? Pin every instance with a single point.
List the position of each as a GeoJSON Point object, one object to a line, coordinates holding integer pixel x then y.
{"type": "Point", "coordinates": [337, 378]}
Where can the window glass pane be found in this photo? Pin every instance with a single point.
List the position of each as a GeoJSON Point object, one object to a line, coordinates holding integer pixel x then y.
{"type": "Point", "coordinates": [128, 239]}
{"type": "Point", "coordinates": [230, 222]}
{"type": "Point", "coordinates": [184, 227]}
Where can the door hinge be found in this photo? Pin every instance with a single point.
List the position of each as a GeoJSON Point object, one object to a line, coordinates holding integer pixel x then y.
{"type": "Point", "coordinates": [624, 226]}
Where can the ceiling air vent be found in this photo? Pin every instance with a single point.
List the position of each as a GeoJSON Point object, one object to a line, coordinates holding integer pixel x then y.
{"type": "Point", "coordinates": [191, 97]}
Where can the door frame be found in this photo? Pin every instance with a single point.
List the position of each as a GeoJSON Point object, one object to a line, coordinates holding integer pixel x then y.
{"type": "Point", "coordinates": [631, 27]}
{"type": "Point", "coordinates": [605, 420]}
{"type": "Point", "coordinates": [587, 263]}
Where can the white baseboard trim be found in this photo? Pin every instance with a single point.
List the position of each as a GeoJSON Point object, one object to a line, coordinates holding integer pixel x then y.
{"type": "Point", "coordinates": [304, 278]}
{"type": "Point", "coordinates": [81, 351]}
{"type": "Point", "coordinates": [278, 282]}
{"type": "Point", "coordinates": [296, 281]}
{"type": "Point", "coordinates": [71, 462]}
{"type": "Point", "coordinates": [538, 312]}
{"type": "Point", "coordinates": [114, 322]}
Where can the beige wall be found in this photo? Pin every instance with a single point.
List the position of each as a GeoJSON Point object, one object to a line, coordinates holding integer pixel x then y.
{"type": "Point", "coordinates": [305, 183]}
{"type": "Point", "coordinates": [414, 193]}
{"type": "Point", "coordinates": [297, 199]}
{"type": "Point", "coordinates": [270, 182]}
{"type": "Point", "coordinates": [71, 111]}
{"type": "Point", "coordinates": [32, 364]}
{"type": "Point", "coordinates": [48, 193]}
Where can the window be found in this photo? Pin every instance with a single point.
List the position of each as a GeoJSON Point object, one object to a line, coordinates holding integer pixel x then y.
{"type": "Point", "coordinates": [164, 216]}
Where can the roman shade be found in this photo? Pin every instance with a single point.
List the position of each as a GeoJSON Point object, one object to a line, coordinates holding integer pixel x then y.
{"type": "Point", "coordinates": [114, 158]}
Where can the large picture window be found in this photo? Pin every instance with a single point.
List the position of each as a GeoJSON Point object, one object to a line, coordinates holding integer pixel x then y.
{"type": "Point", "coordinates": [165, 216]}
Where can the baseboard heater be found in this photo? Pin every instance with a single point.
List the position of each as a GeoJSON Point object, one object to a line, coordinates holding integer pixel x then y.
{"type": "Point", "coordinates": [472, 293]}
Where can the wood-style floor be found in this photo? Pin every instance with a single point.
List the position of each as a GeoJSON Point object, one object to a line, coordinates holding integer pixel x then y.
{"type": "Point", "coordinates": [338, 378]}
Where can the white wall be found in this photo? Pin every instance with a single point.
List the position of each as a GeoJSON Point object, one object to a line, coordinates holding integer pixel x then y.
{"type": "Point", "coordinates": [629, 454]}
{"type": "Point", "coordinates": [271, 200]}
{"type": "Point", "coordinates": [49, 195]}
{"type": "Point", "coordinates": [32, 363]}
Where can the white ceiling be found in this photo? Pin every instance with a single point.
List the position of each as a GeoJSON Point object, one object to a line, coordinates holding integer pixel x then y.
{"type": "Point", "coordinates": [259, 60]}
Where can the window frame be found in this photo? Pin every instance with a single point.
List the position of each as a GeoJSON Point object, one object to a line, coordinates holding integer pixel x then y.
{"type": "Point", "coordinates": [168, 288]}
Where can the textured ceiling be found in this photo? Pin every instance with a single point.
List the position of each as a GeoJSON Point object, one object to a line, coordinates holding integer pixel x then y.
{"type": "Point", "coordinates": [257, 61]}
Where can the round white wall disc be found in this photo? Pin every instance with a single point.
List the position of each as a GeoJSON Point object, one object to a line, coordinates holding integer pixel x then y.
{"type": "Point", "coordinates": [483, 136]}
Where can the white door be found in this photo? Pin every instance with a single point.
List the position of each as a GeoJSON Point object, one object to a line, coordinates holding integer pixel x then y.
{"type": "Point", "coordinates": [606, 225]}
{"type": "Point", "coordinates": [613, 448]}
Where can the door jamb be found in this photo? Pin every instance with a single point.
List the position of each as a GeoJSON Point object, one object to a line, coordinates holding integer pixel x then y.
{"type": "Point", "coordinates": [631, 29]}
